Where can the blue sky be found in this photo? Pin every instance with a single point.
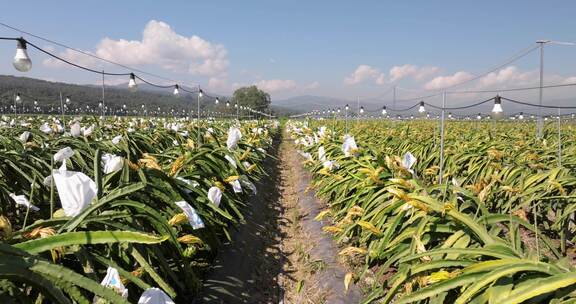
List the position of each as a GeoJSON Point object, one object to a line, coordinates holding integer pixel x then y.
{"type": "Point", "coordinates": [293, 48]}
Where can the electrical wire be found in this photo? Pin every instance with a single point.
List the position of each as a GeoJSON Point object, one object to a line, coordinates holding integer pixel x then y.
{"type": "Point", "coordinates": [85, 53]}
{"type": "Point", "coordinates": [535, 105]}
{"type": "Point", "coordinates": [74, 64]}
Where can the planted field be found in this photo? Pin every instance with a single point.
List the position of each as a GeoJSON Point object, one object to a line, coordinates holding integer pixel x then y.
{"type": "Point", "coordinates": [498, 229]}
{"type": "Point", "coordinates": [114, 208]}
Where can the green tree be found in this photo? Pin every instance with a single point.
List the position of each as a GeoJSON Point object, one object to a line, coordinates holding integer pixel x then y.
{"type": "Point", "coordinates": [252, 97]}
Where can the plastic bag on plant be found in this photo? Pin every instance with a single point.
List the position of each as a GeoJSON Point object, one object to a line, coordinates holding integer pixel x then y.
{"type": "Point", "coordinates": [154, 296]}
{"type": "Point", "coordinates": [75, 129]}
{"type": "Point", "coordinates": [349, 146]}
{"type": "Point", "coordinates": [248, 184]}
{"type": "Point", "coordinates": [322, 131]}
{"type": "Point", "coordinates": [408, 161]}
{"type": "Point", "coordinates": [24, 136]}
{"type": "Point", "coordinates": [45, 127]}
{"type": "Point", "coordinates": [22, 200]}
{"type": "Point", "coordinates": [215, 195]}
{"type": "Point", "coordinates": [330, 165]}
{"type": "Point", "coordinates": [75, 189]}
{"type": "Point", "coordinates": [88, 131]}
{"type": "Point", "coordinates": [234, 135]}
{"type": "Point", "coordinates": [112, 163]}
{"type": "Point", "coordinates": [193, 217]}
{"type": "Point", "coordinates": [236, 186]}
{"type": "Point", "coordinates": [321, 154]}
{"type": "Point", "coordinates": [116, 139]}
{"type": "Point", "coordinates": [231, 161]}
{"type": "Point", "coordinates": [62, 155]}
{"type": "Point", "coordinates": [112, 281]}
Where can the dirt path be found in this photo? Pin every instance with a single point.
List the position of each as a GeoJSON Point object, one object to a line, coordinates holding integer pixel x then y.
{"type": "Point", "coordinates": [281, 254]}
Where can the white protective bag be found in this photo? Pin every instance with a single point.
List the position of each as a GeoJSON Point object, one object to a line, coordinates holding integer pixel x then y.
{"type": "Point", "coordinates": [75, 129]}
{"type": "Point", "coordinates": [234, 136]}
{"type": "Point", "coordinates": [45, 127]}
{"type": "Point", "coordinates": [193, 217]}
{"type": "Point", "coordinates": [22, 200]}
{"type": "Point", "coordinates": [321, 154]}
{"type": "Point", "coordinates": [231, 161]}
{"type": "Point", "coordinates": [112, 280]}
{"type": "Point", "coordinates": [24, 136]}
{"type": "Point", "coordinates": [75, 189]}
{"type": "Point", "coordinates": [349, 145]}
{"type": "Point", "coordinates": [154, 296]}
{"type": "Point", "coordinates": [215, 195]}
{"type": "Point", "coordinates": [408, 161]}
{"type": "Point", "coordinates": [112, 163]}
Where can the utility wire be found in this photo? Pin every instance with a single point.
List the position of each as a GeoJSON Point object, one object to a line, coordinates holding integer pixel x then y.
{"type": "Point", "coordinates": [85, 53]}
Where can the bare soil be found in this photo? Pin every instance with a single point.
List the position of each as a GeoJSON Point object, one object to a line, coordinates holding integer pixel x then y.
{"type": "Point", "coordinates": [281, 254]}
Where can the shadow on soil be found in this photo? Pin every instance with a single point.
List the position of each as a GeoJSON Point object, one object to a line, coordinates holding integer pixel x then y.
{"type": "Point", "coordinates": [246, 270]}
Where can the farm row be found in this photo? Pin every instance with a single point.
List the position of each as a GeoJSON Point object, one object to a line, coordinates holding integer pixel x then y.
{"type": "Point", "coordinates": [498, 229]}
{"type": "Point", "coordinates": [118, 209]}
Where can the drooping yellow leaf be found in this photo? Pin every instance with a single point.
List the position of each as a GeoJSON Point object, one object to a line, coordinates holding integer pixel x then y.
{"type": "Point", "coordinates": [347, 279]}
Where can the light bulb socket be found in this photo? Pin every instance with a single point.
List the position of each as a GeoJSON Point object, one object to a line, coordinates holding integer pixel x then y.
{"type": "Point", "coordinates": [21, 43]}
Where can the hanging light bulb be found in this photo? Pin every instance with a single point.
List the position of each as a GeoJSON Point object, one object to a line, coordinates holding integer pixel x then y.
{"type": "Point", "coordinates": [347, 107]}
{"type": "Point", "coordinates": [497, 109]}
{"type": "Point", "coordinates": [68, 99]}
{"type": "Point", "coordinates": [176, 90]}
{"type": "Point", "coordinates": [421, 109]}
{"type": "Point", "coordinates": [521, 116]}
{"type": "Point", "coordinates": [35, 102]}
{"type": "Point", "coordinates": [18, 98]}
{"type": "Point", "coordinates": [384, 110]}
{"type": "Point", "coordinates": [479, 116]}
{"type": "Point", "coordinates": [449, 115]}
{"type": "Point", "coordinates": [338, 110]}
{"type": "Point", "coordinates": [361, 109]}
{"type": "Point", "coordinates": [132, 86]}
{"type": "Point", "coordinates": [217, 101]}
{"type": "Point", "coordinates": [21, 60]}
{"type": "Point", "coordinates": [227, 103]}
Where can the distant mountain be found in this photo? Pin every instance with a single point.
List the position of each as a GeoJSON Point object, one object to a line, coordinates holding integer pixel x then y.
{"type": "Point", "coordinates": [308, 103]}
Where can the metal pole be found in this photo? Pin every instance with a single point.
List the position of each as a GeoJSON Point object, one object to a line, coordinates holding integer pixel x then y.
{"type": "Point", "coordinates": [441, 170]}
{"type": "Point", "coordinates": [103, 104]}
{"type": "Point", "coordinates": [394, 98]}
{"type": "Point", "coordinates": [540, 123]}
{"type": "Point", "coordinates": [238, 111]}
{"type": "Point", "coordinates": [198, 116]}
{"type": "Point", "coordinates": [346, 118]}
{"type": "Point", "coordinates": [62, 108]}
{"type": "Point", "coordinates": [358, 109]}
{"type": "Point", "coordinates": [15, 105]}
{"type": "Point", "coordinates": [559, 141]}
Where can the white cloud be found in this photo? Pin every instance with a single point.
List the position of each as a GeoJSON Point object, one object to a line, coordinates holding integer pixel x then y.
{"type": "Point", "coordinates": [447, 81]}
{"type": "Point", "coordinates": [312, 85]}
{"type": "Point", "coordinates": [275, 85]}
{"type": "Point", "coordinates": [74, 57]}
{"type": "Point", "coordinates": [365, 73]}
{"type": "Point", "coordinates": [510, 75]}
{"type": "Point", "coordinates": [568, 80]}
{"type": "Point", "coordinates": [217, 83]}
{"type": "Point", "coordinates": [409, 70]}
{"type": "Point", "coordinates": [160, 46]}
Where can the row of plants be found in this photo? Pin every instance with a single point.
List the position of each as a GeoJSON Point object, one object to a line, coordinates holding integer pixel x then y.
{"type": "Point", "coordinates": [119, 210]}
{"type": "Point", "coordinates": [498, 229]}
